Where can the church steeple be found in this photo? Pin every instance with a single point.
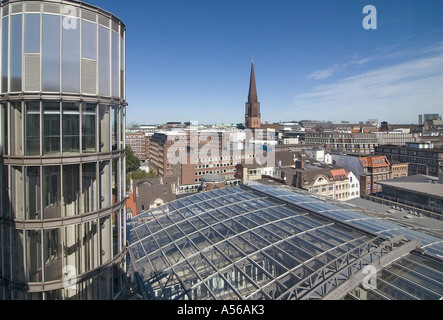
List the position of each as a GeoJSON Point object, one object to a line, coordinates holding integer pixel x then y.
{"type": "Point", "coordinates": [252, 117]}
{"type": "Point", "coordinates": [252, 86]}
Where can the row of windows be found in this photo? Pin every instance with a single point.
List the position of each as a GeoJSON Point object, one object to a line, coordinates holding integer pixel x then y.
{"type": "Point", "coordinates": [41, 53]}
{"type": "Point", "coordinates": [48, 255]}
{"type": "Point", "coordinates": [47, 128]}
{"type": "Point", "coordinates": [55, 192]}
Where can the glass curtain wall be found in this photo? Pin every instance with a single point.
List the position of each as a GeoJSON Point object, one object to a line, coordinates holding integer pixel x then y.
{"type": "Point", "coordinates": [62, 113]}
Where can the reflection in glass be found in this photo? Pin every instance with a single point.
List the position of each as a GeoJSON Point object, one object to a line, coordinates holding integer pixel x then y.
{"type": "Point", "coordinates": [105, 239]}
{"type": "Point", "coordinates": [17, 196]}
{"type": "Point", "coordinates": [89, 40]}
{"type": "Point", "coordinates": [34, 255]}
{"type": "Point", "coordinates": [71, 58]}
{"type": "Point", "coordinates": [115, 233]}
{"type": "Point", "coordinates": [90, 246]}
{"type": "Point", "coordinates": [115, 65]}
{"type": "Point", "coordinates": [32, 123]}
{"type": "Point", "coordinates": [4, 129]}
{"type": "Point", "coordinates": [5, 47]}
{"type": "Point", "coordinates": [71, 127]}
{"type": "Point", "coordinates": [32, 33]}
{"type": "Point", "coordinates": [51, 128]}
{"type": "Point", "coordinates": [89, 187]}
{"type": "Point", "coordinates": [105, 184]}
{"type": "Point", "coordinates": [104, 65]}
{"type": "Point", "coordinates": [114, 123]}
{"type": "Point", "coordinates": [16, 53]}
{"type": "Point", "coordinates": [51, 192]}
{"type": "Point", "coordinates": [71, 190]}
{"type": "Point", "coordinates": [52, 254]}
{"type": "Point", "coordinates": [89, 128]}
{"type": "Point", "coordinates": [105, 143]}
{"type": "Point", "coordinates": [51, 53]}
{"type": "Point", "coordinates": [71, 256]}
{"type": "Point", "coordinates": [16, 129]}
{"type": "Point", "coordinates": [33, 193]}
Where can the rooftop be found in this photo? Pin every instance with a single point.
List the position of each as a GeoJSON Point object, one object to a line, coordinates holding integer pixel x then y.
{"type": "Point", "coordinates": [418, 183]}
{"type": "Point", "coordinates": [264, 242]}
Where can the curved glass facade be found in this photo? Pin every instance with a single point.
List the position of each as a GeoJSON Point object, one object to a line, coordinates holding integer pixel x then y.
{"type": "Point", "coordinates": [62, 126]}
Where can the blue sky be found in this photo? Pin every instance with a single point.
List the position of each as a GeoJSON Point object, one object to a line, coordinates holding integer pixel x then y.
{"type": "Point", "coordinates": [190, 60]}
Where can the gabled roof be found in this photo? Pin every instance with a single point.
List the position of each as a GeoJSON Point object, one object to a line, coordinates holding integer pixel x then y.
{"type": "Point", "coordinates": [339, 174]}
{"type": "Point", "coordinates": [374, 162]}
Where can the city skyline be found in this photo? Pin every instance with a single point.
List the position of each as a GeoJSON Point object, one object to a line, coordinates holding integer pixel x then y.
{"type": "Point", "coordinates": [313, 60]}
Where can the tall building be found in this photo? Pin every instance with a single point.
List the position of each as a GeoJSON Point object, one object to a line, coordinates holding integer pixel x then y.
{"type": "Point", "coordinates": [252, 117]}
{"type": "Point", "coordinates": [62, 98]}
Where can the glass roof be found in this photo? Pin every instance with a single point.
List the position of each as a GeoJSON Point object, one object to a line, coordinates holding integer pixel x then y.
{"type": "Point", "coordinates": [258, 242]}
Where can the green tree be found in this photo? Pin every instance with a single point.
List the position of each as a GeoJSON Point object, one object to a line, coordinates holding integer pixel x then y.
{"type": "Point", "coordinates": [132, 162]}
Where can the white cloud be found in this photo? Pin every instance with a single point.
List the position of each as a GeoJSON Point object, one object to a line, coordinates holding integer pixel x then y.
{"type": "Point", "coordinates": [396, 93]}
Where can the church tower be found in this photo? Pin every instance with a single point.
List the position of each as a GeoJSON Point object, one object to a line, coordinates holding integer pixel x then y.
{"type": "Point", "coordinates": [252, 117]}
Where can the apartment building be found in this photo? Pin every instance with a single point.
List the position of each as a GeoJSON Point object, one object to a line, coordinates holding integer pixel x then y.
{"type": "Point", "coordinates": [344, 142]}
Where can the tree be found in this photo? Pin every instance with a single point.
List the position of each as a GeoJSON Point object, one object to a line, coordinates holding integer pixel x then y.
{"type": "Point", "coordinates": [132, 162]}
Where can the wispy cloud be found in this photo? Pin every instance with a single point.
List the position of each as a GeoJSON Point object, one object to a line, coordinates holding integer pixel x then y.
{"type": "Point", "coordinates": [328, 72]}
{"type": "Point", "coordinates": [398, 92]}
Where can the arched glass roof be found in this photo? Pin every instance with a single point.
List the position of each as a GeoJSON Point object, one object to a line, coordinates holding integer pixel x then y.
{"type": "Point", "coordinates": [262, 242]}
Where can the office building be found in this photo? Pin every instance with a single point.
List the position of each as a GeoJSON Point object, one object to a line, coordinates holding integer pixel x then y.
{"type": "Point", "coordinates": [423, 158]}
{"type": "Point", "coordinates": [62, 223]}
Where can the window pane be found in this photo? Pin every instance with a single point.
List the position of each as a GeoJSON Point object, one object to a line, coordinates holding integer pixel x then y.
{"type": "Point", "coordinates": [114, 122]}
{"type": "Point", "coordinates": [34, 255]}
{"type": "Point", "coordinates": [51, 192]}
{"type": "Point", "coordinates": [89, 40]}
{"type": "Point", "coordinates": [4, 129]}
{"type": "Point", "coordinates": [71, 190]}
{"type": "Point", "coordinates": [105, 142]}
{"type": "Point", "coordinates": [71, 58]}
{"type": "Point", "coordinates": [71, 255]}
{"type": "Point", "coordinates": [16, 129]}
{"type": "Point", "coordinates": [89, 187]}
{"type": "Point", "coordinates": [32, 123]}
{"type": "Point", "coordinates": [71, 127]}
{"type": "Point", "coordinates": [105, 239]}
{"type": "Point", "coordinates": [32, 33]}
{"type": "Point", "coordinates": [17, 196]}
{"type": "Point", "coordinates": [51, 128]}
{"type": "Point", "coordinates": [16, 53]}
{"type": "Point", "coordinates": [115, 65]}
{"type": "Point", "coordinates": [52, 254]}
{"type": "Point", "coordinates": [89, 128]}
{"type": "Point", "coordinates": [33, 193]}
{"type": "Point", "coordinates": [115, 232]}
{"type": "Point", "coordinates": [51, 53]}
{"type": "Point", "coordinates": [115, 181]}
{"type": "Point", "coordinates": [122, 68]}
{"type": "Point", "coordinates": [90, 246]}
{"type": "Point", "coordinates": [104, 63]}
{"type": "Point", "coordinates": [5, 46]}
{"type": "Point", "coordinates": [105, 184]}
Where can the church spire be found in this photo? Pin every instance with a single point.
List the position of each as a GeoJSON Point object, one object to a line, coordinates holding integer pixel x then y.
{"type": "Point", "coordinates": [252, 97]}
{"type": "Point", "coordinates": [252, 117]}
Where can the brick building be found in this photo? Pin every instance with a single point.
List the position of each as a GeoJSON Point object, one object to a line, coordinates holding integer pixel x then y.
{"type": "Point", "coordinates": [422, 158]}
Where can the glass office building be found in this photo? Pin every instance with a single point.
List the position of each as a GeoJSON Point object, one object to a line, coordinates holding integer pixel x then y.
{"type": "Point", "coordinates": [62, 107]}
